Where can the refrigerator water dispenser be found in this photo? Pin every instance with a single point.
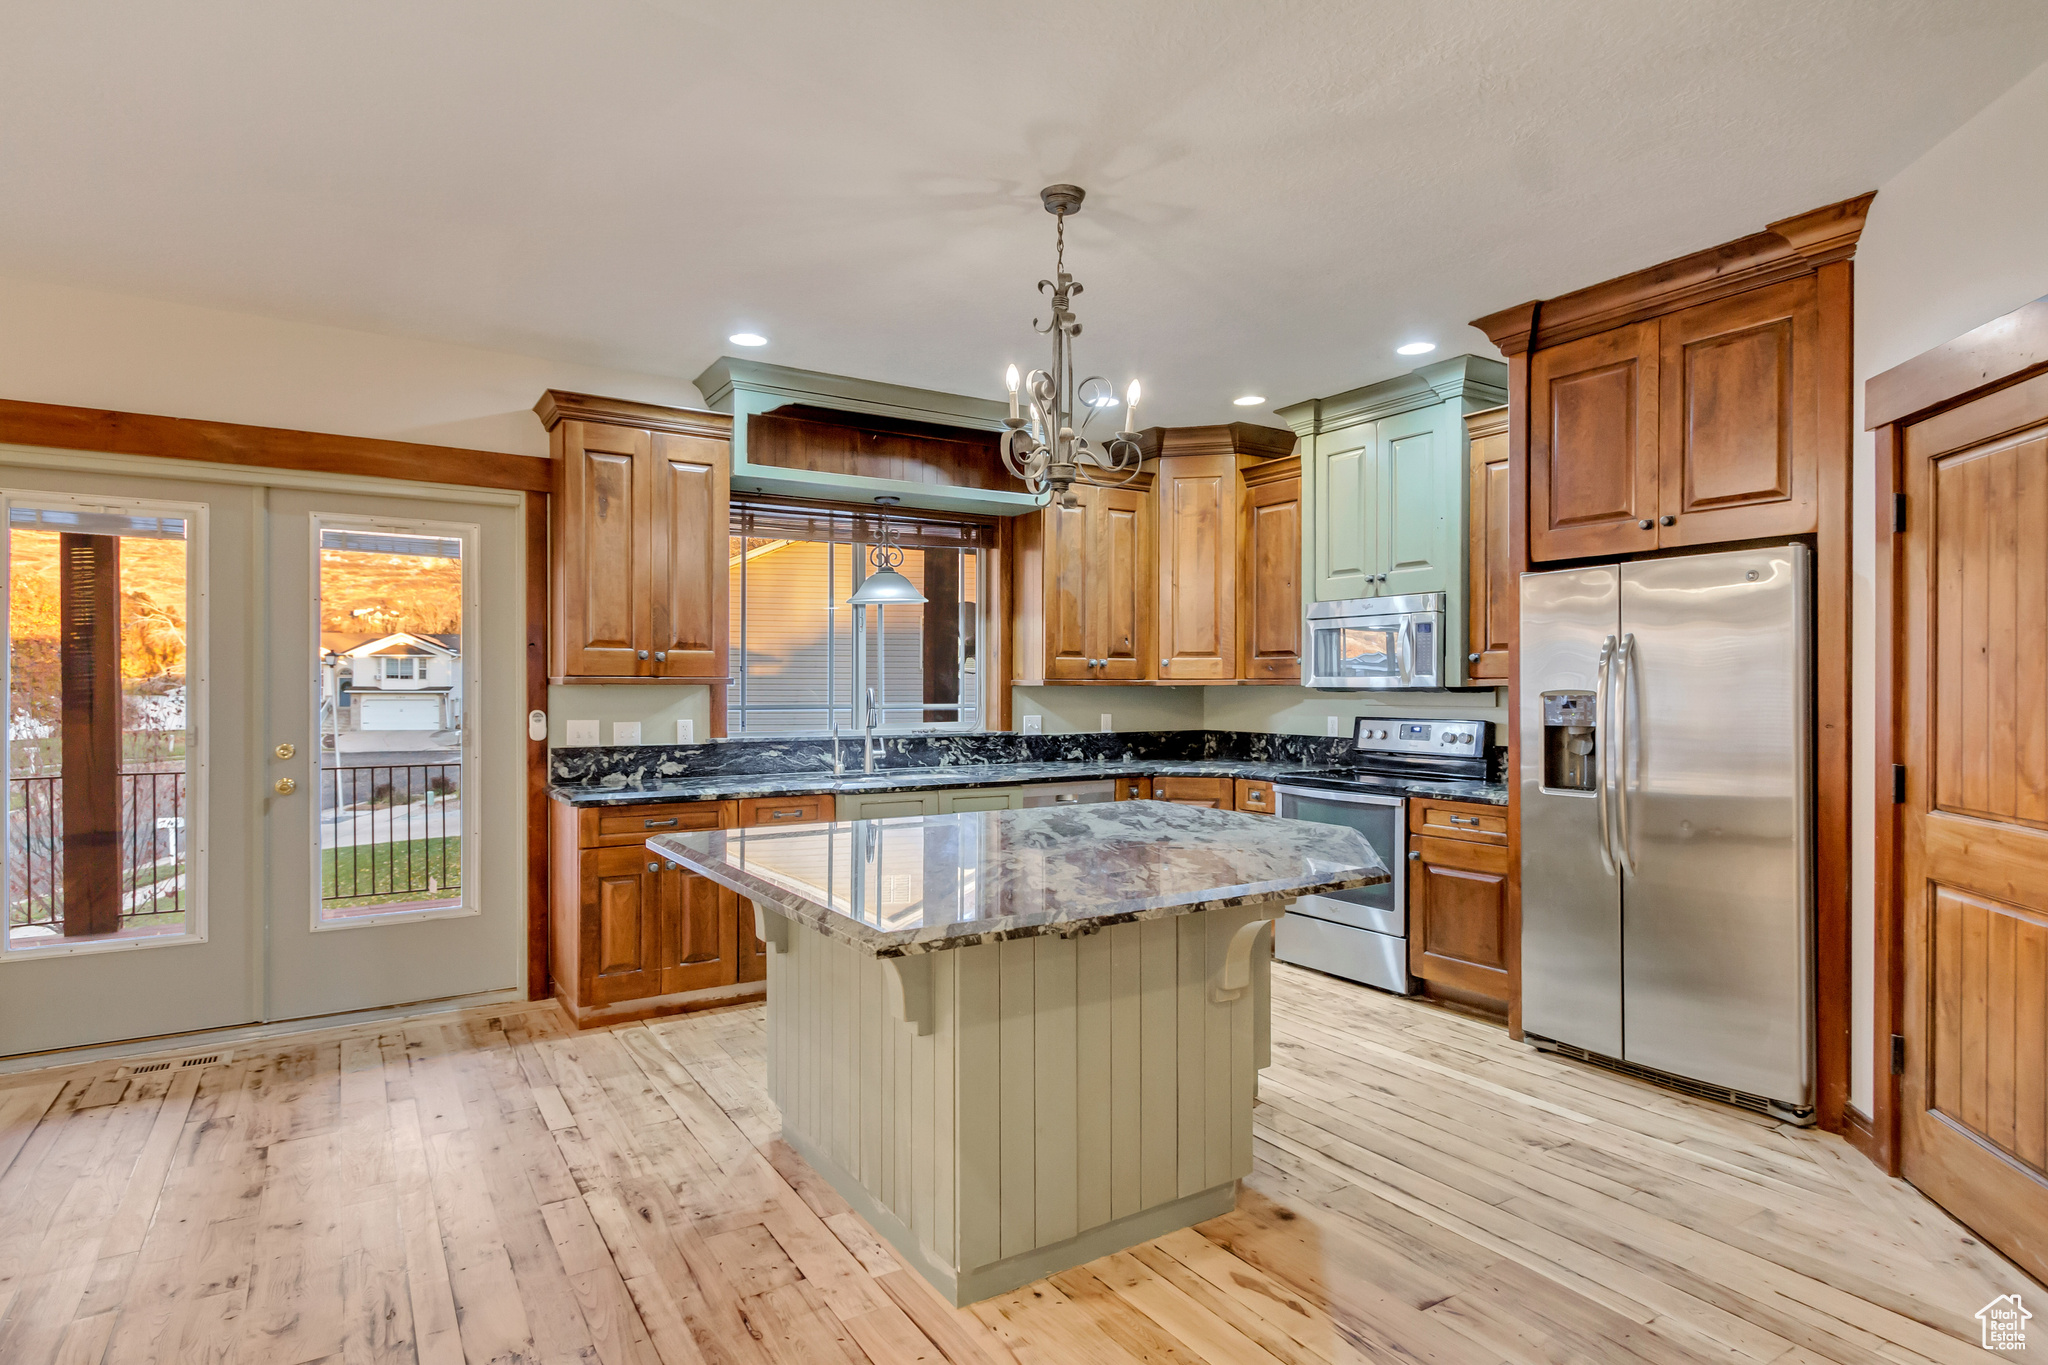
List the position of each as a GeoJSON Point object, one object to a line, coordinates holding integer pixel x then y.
{"type": "Point", "coordinates": [1570, 742]}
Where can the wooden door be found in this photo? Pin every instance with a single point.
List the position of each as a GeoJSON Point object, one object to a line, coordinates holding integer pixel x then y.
{"type": "Point", "coordinates": [1973, 872]}
{"type": "Point", "coordinates": [1195, 502]}
{"type": "Point", "coordinates": [1492, 596]}
{"type": "Point", "coordinates": [691, 548]}
{"type": "Point", "coordinates": [1739, 448]}
{"type": "Point", "coordinates": [620, 955]}
{"type": "Point", "coordinates": [1458, 929]}
{"type": "Point", "coordinates": [1269, 576]}
{"type": "Point", "coordinates": [1417, 485]}
{"type": "Point", "coordinates": [1345, 552]}
{"type": "Point", "coordinates": [1120, 577]}
{"type": "Point", "coordinates": [1593, 445]}
{"type": "Point", "coordinates": [699, 930]}
{"type": "Point", "coordinates": [1069, 534]}
{"type": "Point", "coordinates": [603, 551]}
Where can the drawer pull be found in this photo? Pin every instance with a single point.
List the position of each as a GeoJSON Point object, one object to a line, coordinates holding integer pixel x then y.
{"type": "Point", "coordinates": [669, 823]}
{"type": "Point", "coordinates": [1471, 820]}
{"type": "Point", "coordinates": [789, 814]}
{"type": "Point", "coordinates": [1256, 798]}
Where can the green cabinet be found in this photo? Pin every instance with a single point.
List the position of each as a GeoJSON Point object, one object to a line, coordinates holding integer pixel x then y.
{"type": "Point", "coordinates": [1384, 477]}
{"type": "Point", "coordinates": [886, 805]}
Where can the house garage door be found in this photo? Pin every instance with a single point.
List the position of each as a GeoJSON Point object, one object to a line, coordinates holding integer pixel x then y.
{"type": "Point", "coordinates": [400, 713]}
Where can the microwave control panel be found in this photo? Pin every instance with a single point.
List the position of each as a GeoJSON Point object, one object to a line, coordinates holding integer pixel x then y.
{"type": "Point", "coordinates": [1447, 738]}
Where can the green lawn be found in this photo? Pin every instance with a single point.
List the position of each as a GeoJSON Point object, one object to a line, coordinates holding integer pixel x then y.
{"type": "Point", "coordinates": [380, 874]}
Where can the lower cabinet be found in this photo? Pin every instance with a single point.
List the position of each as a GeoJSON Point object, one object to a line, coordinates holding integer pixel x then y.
{"type": "Point", "coordinates": [634, 935]}
{"type": "Point", "coordinates": [979, 798]}
{"type": "Point", "coordinates": [1134, 789]}
{"type": "Point", "coordinates": [1217, 793]}
{"type": "Point", "coordinates": [889, 805]}
{"type": "Point", "coordinates": [1461, 941]}
{"type": "Point", "coordinates": [1254, 797]}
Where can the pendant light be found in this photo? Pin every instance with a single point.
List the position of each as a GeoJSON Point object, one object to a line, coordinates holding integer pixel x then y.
{"type": "Point", "coordinates": [885, 586]}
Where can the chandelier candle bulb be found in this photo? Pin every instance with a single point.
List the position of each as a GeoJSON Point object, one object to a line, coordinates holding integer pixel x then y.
{"type": "Point", "coordinates": [1010, 379]}
{"type": "Point", "coordinates": [1131, 408]}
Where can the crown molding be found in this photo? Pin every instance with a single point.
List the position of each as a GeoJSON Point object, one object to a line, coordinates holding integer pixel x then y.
{"type": "Point", "coordinates": [557, 406]}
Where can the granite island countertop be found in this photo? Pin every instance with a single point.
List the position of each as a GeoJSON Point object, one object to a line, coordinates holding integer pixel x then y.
{"type": "Point", "coordinates": [733, 786]}
{"type": "Point", "coordinates": [920, 883]}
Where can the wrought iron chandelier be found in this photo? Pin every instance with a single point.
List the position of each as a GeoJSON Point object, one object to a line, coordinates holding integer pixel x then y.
{"type": "Point", "coordinates": [1045, 449]}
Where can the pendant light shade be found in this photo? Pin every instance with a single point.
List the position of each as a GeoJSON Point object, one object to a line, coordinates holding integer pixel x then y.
{"type": "Point", "coordinates": [886, 588]}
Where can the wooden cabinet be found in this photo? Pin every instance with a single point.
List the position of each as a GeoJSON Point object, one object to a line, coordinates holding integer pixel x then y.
{"type": "Point", "coordinates": [1461, 933]}
{"type": "Point", "coordinates": [633, 934]}
{"type": "Point", "coordinates": [1696, 428]}
{"type": "Point", "coordinates": [1492, 593]}
{"type": "Point", "coordinates": [1269, 573]}
{"type": "Point", "coordinates": [1217, 793]}
{"type": "Point", "coordinates": [1084, 582]}
{"type": "Point", "coordinates": [755, 811]}
{"type": "Point", "coordinates": [1256, 798]}
{"type": "Point", "coordinates": [1196, 499]}
{"type": "Point", "coordinates": [1134, 789]}
{"type": "Point", "coordinates": [639, 540]}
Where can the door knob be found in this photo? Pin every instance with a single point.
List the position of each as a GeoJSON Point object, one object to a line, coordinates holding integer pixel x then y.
{"type": "Point", "coordinates": [285, 786]}
{"type": "Point", "coordinates": [286, 750]}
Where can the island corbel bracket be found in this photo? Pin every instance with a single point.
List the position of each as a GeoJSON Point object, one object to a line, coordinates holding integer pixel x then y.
{"type": "Point", "coordinates": [909, 983]}
{"type": "Point", "coordinates": [771, 928]}
{"type": "Point", "coordinates": [1236, 977]}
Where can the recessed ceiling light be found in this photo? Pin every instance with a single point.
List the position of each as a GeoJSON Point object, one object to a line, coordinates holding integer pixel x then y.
{"type": "Point", "coordinates": [1250, 400]}
{"type": "Point", "coordinates": [1412, 348]}
{"type": "Point", "coordinates": [747, 339]}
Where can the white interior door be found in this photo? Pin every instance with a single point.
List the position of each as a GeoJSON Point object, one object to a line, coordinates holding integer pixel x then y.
{"type": "Point", "coordinates": [394, 709]}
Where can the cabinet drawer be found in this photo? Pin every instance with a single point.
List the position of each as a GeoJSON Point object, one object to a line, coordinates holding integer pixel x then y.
{"type": "Point", "coordinates": [1216, 792]}
{"type": "Point", "coordinates": [1134, 789]}
{"type": "Point", "coordinates": [1256, 797]}
{"type": "Point", "coordinates": [636, 824]}
{"type": "Point", "coordinates": [785, 810]}
{"type": "Point", "coordinates": [1459, 820]}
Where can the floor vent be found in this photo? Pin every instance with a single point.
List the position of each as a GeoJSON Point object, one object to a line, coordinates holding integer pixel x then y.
{"type": "Point", "coordinates": [176, 1064]}
{"type": "Point", "coordinates": [1685, 1085]}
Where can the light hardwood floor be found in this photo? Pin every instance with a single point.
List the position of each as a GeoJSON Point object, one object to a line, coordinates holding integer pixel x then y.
{"type": "Point", "coordinates": [494, 1187]}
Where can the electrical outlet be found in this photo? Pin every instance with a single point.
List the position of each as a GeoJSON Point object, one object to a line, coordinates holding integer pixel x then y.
{"type": "Point", "coordinates": [1106, 726]}
{"type": "Point", "coordinates": [580, 734]}
{"type": "Point", "coordinates": [625, 732]}
{"type": "Point", "coordinates": [1034, 725]}
{"type": "Point", "coordinates": [1332, 726]}
{"type": "Point", "coordinates": [686, 732]}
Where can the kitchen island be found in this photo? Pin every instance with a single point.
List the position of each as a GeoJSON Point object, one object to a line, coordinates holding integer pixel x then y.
{"type": "Point", "coordinates": [1016, 1041]}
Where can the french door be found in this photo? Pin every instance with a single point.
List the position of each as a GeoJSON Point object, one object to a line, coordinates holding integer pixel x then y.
{"type": "Point", "coordinates": [1974, 831]}
{"type": "Point", "coordinates": [261, 759]}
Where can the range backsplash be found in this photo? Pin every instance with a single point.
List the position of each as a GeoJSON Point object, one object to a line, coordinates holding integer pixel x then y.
{"type": "Point", "coordinates": [645, 764]}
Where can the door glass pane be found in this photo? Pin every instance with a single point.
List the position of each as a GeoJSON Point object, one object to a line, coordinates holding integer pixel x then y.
{"type": "Point", "coordinates": [98, 601]}
{"type": "Point", "coordinates": [391, 721]}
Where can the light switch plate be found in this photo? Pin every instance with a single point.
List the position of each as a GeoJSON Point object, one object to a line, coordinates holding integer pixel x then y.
{"type": "Point", "coordinates": [625, 732]}
{"type": "Point", "coordinates": [1034, 725]}
{"type": "Point", "coordinates": [580, 734]}
{"type": "Point", "coordinates": [1332, 726]}
{"type": "Point", "coordinates": [686, 732]}
{"type": "Point", "coordinates": [1106, 726]}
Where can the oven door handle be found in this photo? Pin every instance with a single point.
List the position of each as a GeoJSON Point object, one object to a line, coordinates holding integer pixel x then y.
{"type": "Point", "coordinates": [1342, 798]}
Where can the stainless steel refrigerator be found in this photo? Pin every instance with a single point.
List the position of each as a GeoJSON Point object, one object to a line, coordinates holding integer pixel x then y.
{"type": "Point", "coordinates": [1666, 816]}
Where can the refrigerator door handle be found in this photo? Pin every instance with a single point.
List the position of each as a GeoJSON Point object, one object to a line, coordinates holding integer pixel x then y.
{"type": "Point", "coordinates": [1602, 738]}
{"type": "Point", "coordinates": [1624, 681]}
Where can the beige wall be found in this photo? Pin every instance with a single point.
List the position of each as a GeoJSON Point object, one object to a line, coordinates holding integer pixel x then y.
{"type": "Point", "coordinates": [90, 349]}
{"type": "Point", "coordinates": [1955, 239]}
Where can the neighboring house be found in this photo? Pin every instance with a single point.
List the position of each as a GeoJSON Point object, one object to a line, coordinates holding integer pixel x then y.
{"type": "Point", "coordinates": [392, 682]}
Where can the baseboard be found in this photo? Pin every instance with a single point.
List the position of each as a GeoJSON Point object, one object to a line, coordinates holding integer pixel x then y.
{"type": "Point", "coordinates": [1861, 1133]}
{"type": "Point", "coordinates": [253, 1032]}
{"type": "Point", "coordinates": [655, 1007]}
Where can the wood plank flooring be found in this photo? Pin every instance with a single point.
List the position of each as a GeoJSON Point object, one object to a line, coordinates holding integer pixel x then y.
{"type": "Point", "coordinates": [494, 1187]}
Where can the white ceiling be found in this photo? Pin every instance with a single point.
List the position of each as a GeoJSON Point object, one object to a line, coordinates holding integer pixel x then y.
{"type": "Point", "coordinates": [1279, 193]}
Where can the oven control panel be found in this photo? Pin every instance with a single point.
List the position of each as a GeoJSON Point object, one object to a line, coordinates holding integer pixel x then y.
{"type": "Point", "coordinates": [1449, 738]}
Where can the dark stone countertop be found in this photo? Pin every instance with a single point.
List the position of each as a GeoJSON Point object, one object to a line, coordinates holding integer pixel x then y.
{"type": "Point", "coordinates": [733, 786]}
{"type": "Point", "coordinates": [921, 883]}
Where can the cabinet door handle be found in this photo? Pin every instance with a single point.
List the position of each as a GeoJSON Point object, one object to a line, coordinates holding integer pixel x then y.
{"type": "Point", "coordinates": [669, 823]}
{"type": "Point", "coordinates": [1471, 658]}
{"type": "Point", "coordinates": [654, 867]}
{"type": "Point", "coordinates": [1666, 521]}
{"type": "Point", "coordinates": [1065, 798]}
{"type": "Point", "coordinates": [1645, 523]}
{"type": "Point", "coordinates": [1414, 855]}
{"type": "Point", "coordinates": [643, 653]}
{"type": "Point", "coordinates": [661, 656]}
{"type": "Point", "coordinates": [1471, 820]}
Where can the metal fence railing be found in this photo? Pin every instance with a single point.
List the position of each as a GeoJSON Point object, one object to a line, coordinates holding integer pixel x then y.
{"type": "Point", "coordinates": [390, 833]}
{"type": "Point", "coordinates": [152, 844]}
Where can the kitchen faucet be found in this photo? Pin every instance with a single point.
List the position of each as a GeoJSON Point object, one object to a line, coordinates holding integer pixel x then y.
{"type": "Point", "coordinates": [867, 729]}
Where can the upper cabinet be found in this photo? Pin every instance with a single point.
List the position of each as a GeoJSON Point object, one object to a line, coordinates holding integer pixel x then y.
{"type": "Point", "coordinates": [1385, 477]}
{"type": "Point", "coordinates": [639, 540]}
{"type": "Point", "coordinates": [1693, 403]}
{"type": "Point", "coordinates": [1083, 580]}
{"type": "Point", "coordinates": [1269, 572]}
{"type": "Point", "coordinates": [1492, 597]}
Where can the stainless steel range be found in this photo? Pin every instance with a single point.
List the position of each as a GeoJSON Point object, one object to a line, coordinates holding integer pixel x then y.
{"type": "Point", "coordinates": [1363, 934]}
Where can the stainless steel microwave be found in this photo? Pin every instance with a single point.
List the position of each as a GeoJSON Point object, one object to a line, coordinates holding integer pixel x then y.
{"type": "Point", "coordinates": [1377, 642]}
